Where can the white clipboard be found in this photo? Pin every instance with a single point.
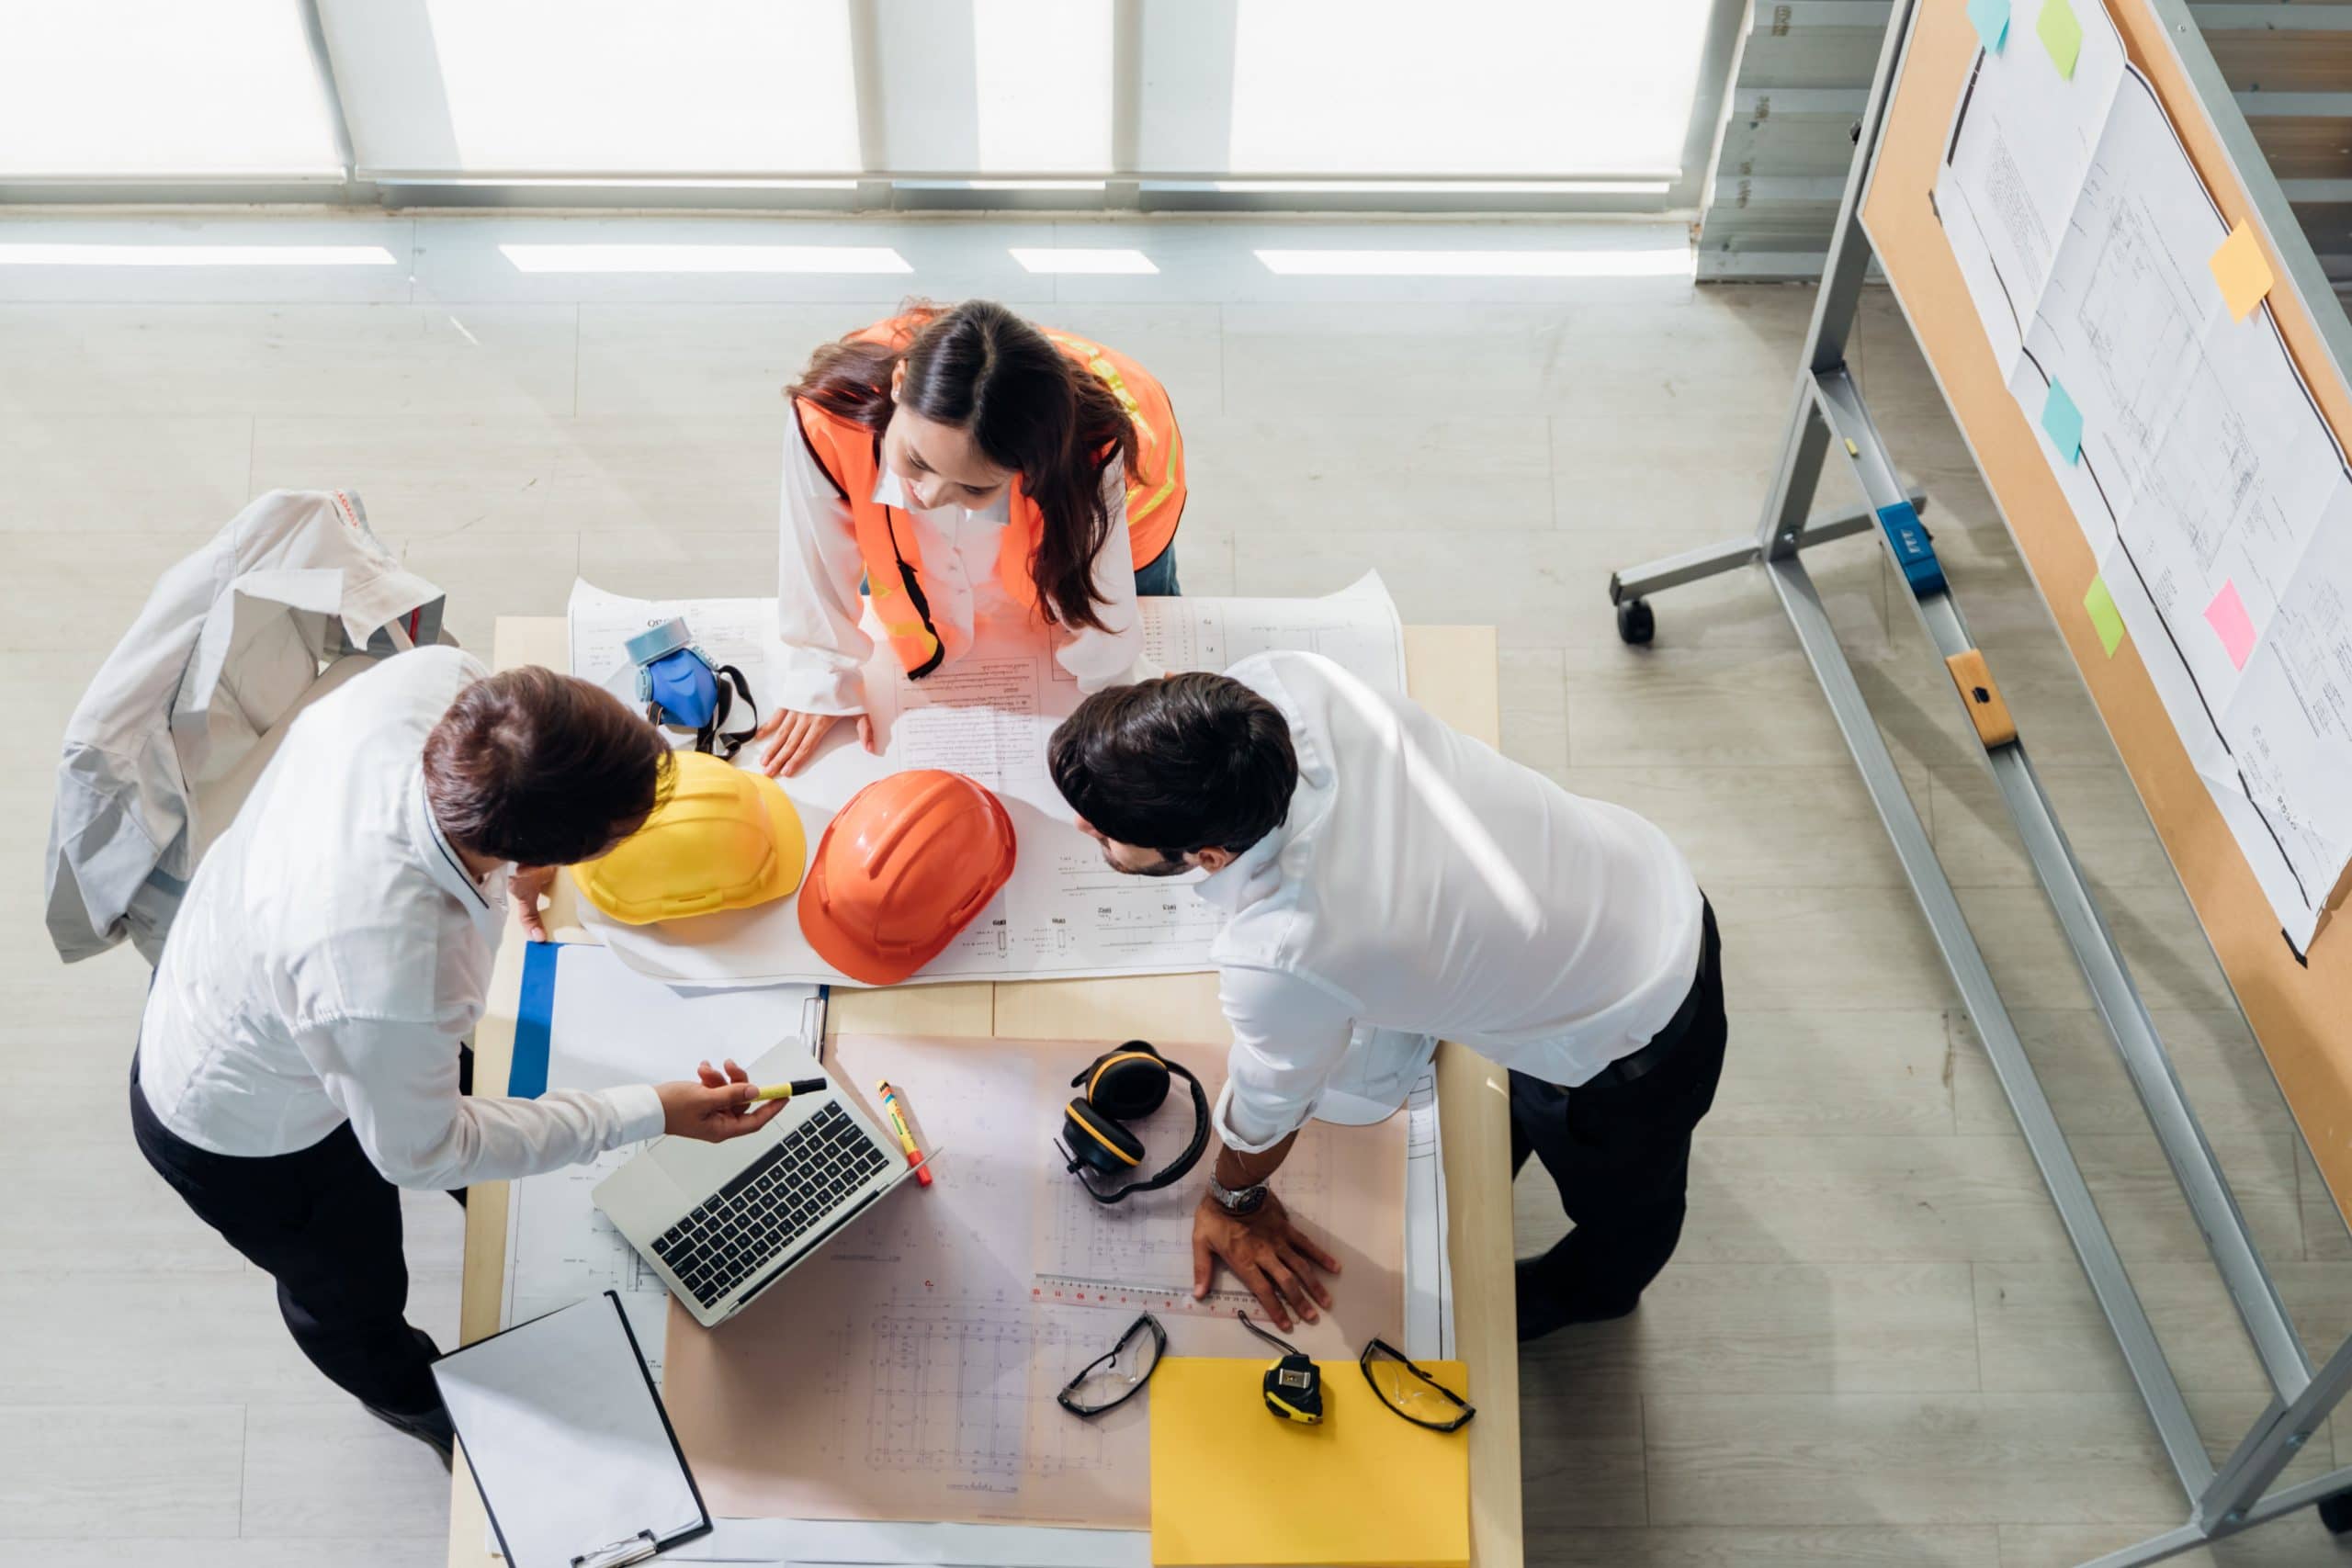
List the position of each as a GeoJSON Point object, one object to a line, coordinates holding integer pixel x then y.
{"type": "Point", "coordinates": [569, 1444]}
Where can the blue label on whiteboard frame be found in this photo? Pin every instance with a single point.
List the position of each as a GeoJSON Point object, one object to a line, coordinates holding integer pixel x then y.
{"type": "Point", "coordinates": [1913, 550]}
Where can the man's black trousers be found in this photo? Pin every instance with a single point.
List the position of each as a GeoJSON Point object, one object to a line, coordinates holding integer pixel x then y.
{"type": "Point", "coordinates": [1619, 1149]}
{"type": "Point", "coordinates": [325, 1224]}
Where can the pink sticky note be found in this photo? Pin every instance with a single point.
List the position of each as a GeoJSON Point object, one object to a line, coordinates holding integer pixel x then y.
{"type": "Point", "coordinates": [2226, 615]}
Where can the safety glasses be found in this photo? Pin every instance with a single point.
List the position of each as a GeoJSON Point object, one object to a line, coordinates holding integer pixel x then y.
{"type": "Point", "coordinates": [1110, 1380]}
{"type": "Point", "coordinates": [1412, 1392]}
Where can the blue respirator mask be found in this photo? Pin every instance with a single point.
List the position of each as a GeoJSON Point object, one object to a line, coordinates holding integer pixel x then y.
{"type": "Point", "coordinates": [682, 689]}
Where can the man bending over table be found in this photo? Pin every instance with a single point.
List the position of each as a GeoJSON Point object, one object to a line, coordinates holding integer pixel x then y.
{"type": "Point", "coordinates": [299, 1062]}
{"type": "Point", "coordinates": [1389, 882]}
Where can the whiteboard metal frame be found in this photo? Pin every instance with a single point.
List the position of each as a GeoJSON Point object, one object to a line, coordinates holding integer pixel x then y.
{"type": "Point", "coordinates": [1828, 404]}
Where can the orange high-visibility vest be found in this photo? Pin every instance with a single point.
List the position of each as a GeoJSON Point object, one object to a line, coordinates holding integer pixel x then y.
{"type": "Point", "coordinates": [850, 455]}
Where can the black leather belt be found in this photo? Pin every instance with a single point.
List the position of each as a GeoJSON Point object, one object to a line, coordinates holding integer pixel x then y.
{"type": "Point", "coordinates": [1662, 1045]}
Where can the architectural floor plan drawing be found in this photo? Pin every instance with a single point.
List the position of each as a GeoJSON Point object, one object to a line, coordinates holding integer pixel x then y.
{"type": "Point", "coordinates": [2210, 488]}
{"type": "Point", "coordinates": [908, 1372]}
{"type": "Point", "coordinates": [1138, 1253]}
{"type": "Point", "coordinates": [1065, 914]}
{"type": "Point", "coordinates": [607, 1026]}
{"type": "Point", "coordinates": [2009, 187]}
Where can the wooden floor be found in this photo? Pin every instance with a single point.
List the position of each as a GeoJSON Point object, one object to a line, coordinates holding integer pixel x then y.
{"type": "Point", "coordinates": [1874, 1346]}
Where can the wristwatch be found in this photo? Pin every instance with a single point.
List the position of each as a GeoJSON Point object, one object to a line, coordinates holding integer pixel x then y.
{"type": "Point", "coordinates": [1238, 1201]}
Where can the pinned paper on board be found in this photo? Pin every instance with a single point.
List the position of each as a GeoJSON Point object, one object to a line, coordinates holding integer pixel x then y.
{"type": "Point", "coordinates": [2062, 35]}
{"type": "Point", "coordinates": [2226, 615]}
{"type": "Point", "coordinates": [2242, 271]}
{"type": "Point", "coordinates": [2106, 619]}
{"type": "Point", "coordinates": [1992, 19]}
{"type": "Point", "coordinates": [2080, 225]}
{"type": "Point", "coordinates": [2063, 421]}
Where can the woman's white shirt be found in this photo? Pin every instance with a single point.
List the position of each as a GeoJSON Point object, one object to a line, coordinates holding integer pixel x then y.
{"type": "Point", "coordinates": [820, 611]}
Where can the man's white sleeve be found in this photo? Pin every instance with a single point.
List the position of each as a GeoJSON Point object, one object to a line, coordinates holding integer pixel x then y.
{"type": "Point", "coordinates": [1289, 1036]}
{"type": "Point", "coordinates": [398, 1082]}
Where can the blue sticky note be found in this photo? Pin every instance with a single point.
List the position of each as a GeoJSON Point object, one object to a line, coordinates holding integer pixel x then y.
{"type": "Point", "coordinates": [1992, 19]}
{"type": "Point", "coordinates": [2063, 421]}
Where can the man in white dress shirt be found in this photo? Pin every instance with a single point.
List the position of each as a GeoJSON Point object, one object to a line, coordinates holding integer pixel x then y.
{"type": "Point", "coordinates": [299, 1060]}
{"type": "Point", "coordinates": [1389, 882]}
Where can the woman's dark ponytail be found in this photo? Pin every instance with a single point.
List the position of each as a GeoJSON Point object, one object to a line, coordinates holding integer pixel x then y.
{"type": "Point", "coordinates": [1026, 406]}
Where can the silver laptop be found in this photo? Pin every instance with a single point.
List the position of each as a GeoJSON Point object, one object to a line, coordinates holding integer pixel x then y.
{"type": "Point", "coordinates": [721, 1222]}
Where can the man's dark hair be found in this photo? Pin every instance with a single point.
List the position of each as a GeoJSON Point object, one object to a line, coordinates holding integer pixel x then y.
{"type": "Point", "coordinates": [542, 769]}
{"type": "Point", "coordinates": [1193, 761]}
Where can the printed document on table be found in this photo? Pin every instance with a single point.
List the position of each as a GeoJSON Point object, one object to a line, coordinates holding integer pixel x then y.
{"type": "Point", "coordinates": [900, 1543]}
{"type": "Point", "coordinates": [741, 632]}
{"type": "Point", "coordinates": [908, 1369]}
{"type": "Point", "coordinates": [610, 1026]}
{"type": "Point", "coordinates": [1357, 627]}
{"type": "Point", "coordinates": [1428, 1336]}
{"type": "Point", "coordinates": [1064, 913]}
{"type": "Point", "coordinates": [1428, 1259]}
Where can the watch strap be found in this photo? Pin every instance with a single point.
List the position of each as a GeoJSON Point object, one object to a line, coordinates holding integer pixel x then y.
{"type": "Point", "coordinates": [1238, 1201]}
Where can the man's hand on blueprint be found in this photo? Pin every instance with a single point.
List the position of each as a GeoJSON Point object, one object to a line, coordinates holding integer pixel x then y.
{"type": "Point", "coordinates": [793, 738]}
{"type": "Point", "coordinates": [1275, 1260]}
{"type": "Point", "coordinates": [527, 886]}
{"type": "Point", "coordinates": [718, 1108]}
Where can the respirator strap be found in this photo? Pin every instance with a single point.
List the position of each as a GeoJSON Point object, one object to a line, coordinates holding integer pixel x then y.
{"type": "Point", "coordinates": [714, 736]}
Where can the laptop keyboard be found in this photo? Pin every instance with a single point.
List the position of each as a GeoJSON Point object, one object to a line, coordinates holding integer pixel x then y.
{"type": "Point", "coordinates": [783, 1195]}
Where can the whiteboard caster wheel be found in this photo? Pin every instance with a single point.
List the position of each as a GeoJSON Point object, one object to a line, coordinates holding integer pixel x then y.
{"type": "Point", "coordinates": [1635, 624]}
{"type": "Point", "coordinates": [2335, 1513]}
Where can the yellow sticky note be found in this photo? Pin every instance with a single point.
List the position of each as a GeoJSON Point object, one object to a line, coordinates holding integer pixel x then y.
{"type": "Point", "coordinates": [2105, 618]}
{"type": "Point", "coordinates": [2060, 34]}
{"type": "Point", "coordinates": [1366, 1489]}
{"type": "Point", "coordinates": [2242, 271]}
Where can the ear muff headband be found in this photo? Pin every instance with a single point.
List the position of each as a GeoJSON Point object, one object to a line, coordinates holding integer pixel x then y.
{"type": "Point", "coordinates": [1096, 1119]}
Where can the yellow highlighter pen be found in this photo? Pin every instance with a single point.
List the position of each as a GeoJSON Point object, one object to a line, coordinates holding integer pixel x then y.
{"type": "Point", "coordinates": [905, 1138]}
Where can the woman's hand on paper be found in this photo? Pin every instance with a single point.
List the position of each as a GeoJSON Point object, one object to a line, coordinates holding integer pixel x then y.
{"type": "Point", "coordinates": [1275, 1260]}
{"type": "Point", "coordinates": [793, 738]}
{"type": "Point", "coordinates": [718, 1107]}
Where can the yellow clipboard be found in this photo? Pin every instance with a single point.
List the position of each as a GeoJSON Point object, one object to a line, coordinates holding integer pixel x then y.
{"type": "Point", "coordinates": [1231, 1484]}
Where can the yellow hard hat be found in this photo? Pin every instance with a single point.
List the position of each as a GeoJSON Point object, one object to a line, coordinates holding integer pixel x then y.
{"type": "Point", "coordinates": [722, 839]}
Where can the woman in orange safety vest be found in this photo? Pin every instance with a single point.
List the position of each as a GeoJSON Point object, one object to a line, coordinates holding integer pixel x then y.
{"type": "Point", "coordinates": [963, 466]}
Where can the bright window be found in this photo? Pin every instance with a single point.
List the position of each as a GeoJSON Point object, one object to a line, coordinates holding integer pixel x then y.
{"type": "Point", "coordinates": [1253, 98]}
{"type": "Point", "coordinates": [1042, 74]}
{"type": "Point", "coordinates": [597, 87]}
{"type": "Point", "coordinates": [1400, 88]}
{"type": "Point", "coordinates": [994, 86]}
{"type": "Point", "coordinates": [108, 88]}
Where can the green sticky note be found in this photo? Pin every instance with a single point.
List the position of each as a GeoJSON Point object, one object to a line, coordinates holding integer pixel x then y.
{"type": "Point", "coordinates": [2104, 618]}
{"type": "Point", "coordinates": [2060, 35]}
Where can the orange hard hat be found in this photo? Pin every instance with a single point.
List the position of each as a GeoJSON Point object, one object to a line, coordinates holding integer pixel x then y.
{"type": "Point", "coordinates": [903, 866]}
